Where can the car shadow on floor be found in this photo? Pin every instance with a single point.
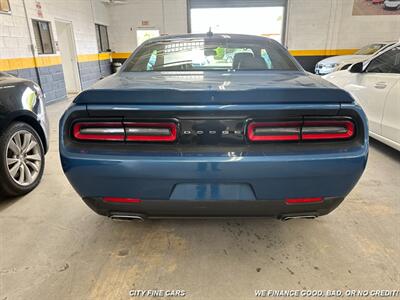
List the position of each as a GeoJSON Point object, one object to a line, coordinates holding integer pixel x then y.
{"type": "Point", "coordinates": [384, 149]}
{"type": "Point", "coordinates": [6, 202]}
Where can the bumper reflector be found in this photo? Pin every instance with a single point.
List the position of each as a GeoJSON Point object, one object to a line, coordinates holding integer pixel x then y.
{"type": "Point", "coordinates": [121, 200]}
{"type": "Point", "coordinates": [304, 200]}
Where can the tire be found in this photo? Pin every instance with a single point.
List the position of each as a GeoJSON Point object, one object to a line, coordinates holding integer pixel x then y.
{"type": "Point", "coordinates": [21, 151]}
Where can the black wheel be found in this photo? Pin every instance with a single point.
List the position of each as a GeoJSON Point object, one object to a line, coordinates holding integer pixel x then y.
{"type": "Point", "coordinates": [21, 160]}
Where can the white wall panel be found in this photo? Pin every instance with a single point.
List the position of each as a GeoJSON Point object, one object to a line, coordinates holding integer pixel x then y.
{"type": "Point", "coordinates": [329, 24]}
{"type": "Point", "coordinates": [169, 16]}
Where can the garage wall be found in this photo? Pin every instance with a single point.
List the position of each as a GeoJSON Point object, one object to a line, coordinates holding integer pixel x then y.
{"type": "Point", "coordinates": [15, 41]}
{"type": "Point", "coordinates": [169, 16]}
{"type": "Point", "coordinates": [317, 29]}
{"type": "Point", "coordinates": [16, 55]}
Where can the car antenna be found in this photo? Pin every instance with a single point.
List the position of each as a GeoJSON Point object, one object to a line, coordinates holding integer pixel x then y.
{"type": "Point", "coordinates": [210, 33]}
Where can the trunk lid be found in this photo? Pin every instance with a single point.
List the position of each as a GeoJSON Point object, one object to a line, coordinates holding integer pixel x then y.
{"type": "Point", "coordinates": [204, 88]}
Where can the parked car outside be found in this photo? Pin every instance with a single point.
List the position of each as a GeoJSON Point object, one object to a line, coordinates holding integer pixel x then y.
{"type": "Point", "coordinates": [342, 62]}
{"type": "Point", "coordinates": [376, 86]}
{"type": "Point", "coordinates": [255, 137]}
{"type": "Point", "coordinates": [23, 135]}
{"type": "Point", "coordinates": [391, 4]}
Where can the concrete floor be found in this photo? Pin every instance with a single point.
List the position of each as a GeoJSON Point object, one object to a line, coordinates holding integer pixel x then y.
{"type": "Point", "coordinates": [54, 247]}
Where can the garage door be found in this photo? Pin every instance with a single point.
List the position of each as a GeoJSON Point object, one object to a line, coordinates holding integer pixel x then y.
{"type": "Point", "coordinates": [258, 17]}
{"type": "Point", "coordinates": [235, 3]}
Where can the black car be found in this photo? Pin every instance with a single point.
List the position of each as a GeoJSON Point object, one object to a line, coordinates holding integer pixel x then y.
{"type": "Point", "coordinates": [23, 135]}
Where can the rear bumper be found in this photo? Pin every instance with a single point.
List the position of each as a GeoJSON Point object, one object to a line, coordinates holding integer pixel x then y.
{"type": "Point", "coordinates": [199, 209]}
{"type": "Point", "coordinates": [272, 179]}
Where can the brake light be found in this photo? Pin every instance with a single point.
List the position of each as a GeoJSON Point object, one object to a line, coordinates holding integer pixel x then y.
{"type": "Point", "coordinates": [304, 200]}
{"type": "Point", "coordinates": [274, 131]}
{"type": "Point", "coordinates": [150, 132]}
{"type": "Point", "coordinates": [104, 131]}
{"type": "Point", "coordinates": [326, 130]}
{"type": "Point", "coordinates": [125, 131]}
{"type": "Point", "coordinates": [297, 131]}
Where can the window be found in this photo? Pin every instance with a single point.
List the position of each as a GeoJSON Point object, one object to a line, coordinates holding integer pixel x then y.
{"type": "Point", "coordinates": [388, 62]}
{"type": "Point", "coordinates": [211, 55]}
{"type": "Point", "coordinates": [102, 38]}
{"type": "Point", "coordinates": [43, 37]}
{"type": "Point", "coordinates": [369, 49]}
{"type": "Point", "coordinates": [4, 6]}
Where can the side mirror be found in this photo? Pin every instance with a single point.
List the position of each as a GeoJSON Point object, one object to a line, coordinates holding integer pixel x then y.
{"type": "Point", "coordinates": [357, 68]}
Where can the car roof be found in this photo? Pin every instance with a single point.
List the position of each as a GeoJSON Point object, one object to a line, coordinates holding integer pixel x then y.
{"type": "Point", "coordinates": [384, 43]}
{"type": "Point", "coordinates": [237, 37]}
{"type": "Point", "coordinates": [379, 53]}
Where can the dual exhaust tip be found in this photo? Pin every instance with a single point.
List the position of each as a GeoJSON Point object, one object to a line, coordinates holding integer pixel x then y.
{"type": "Point", "coordinates": [128, 217]}
{"type": "Point", "coordinates": [307, 217]}
{"type": "Point", "coordinates": [141, 218]}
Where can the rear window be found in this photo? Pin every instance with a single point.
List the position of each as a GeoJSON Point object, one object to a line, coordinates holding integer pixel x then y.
{"type": "Point", "coordinates": [208, 55]}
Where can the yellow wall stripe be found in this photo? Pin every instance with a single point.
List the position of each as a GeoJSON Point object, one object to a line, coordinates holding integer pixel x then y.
{"type": "Point", "coordinates": [93, 57]}
{"type": "Point", "coordinates": [16, 63]}
{"type": "Point", "coordinates": [47, 61]}
{"type": "Point", "coordinates": [121, 55]}
{"type": "Point", "coordinates": [9, 64]}
{"type": "Point", "coordinates": [322, 52]}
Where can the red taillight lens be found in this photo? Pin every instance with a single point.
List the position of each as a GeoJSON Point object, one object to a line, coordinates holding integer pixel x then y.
{"type": "Point", "coordinates": [304, 200]}
{"type": "Point", "coordinates": [150, 132]}
{"type": "Point", "coordinates": [121, 200]}
{"type": "Point", "coordinates": [273, 131]}
{"type": "Point", "coordinates": [327, 130]}
{"type": "Point", "coordinates": [125, 131]}
{"type": "Point", "coordinates": [296, 131]}
{"type": "Point", "coordinates": [104, 131]}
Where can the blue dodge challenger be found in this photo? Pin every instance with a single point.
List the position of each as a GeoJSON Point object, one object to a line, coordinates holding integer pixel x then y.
{"type": "Point", "coordinates": [213, 125]}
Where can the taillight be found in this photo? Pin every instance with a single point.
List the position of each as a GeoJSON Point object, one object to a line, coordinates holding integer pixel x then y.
{"type": "Point", "coordinates": [104, 131]}
{"type": "Point", "coordinates": [297, 131]}
{"type": "Point", "coordinates": [150, 132]}
{"type": "Point", "coordinates": [125, 131]}
{"type": "Point", "coordinates": [327, 130]}
{"type": "Point", "coordinates": [274, 131]}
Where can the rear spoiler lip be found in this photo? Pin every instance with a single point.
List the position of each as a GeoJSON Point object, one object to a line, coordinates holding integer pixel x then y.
{"type": "Point", "coordinates": [207, 97]}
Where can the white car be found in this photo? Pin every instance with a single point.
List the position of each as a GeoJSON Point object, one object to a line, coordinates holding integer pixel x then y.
{"type": "Point", "coordinates": [391, 4]}
{"type": "Point", "coordinates": [343, 62]}
{"type": "Point", "coordinates": [376, 86]}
